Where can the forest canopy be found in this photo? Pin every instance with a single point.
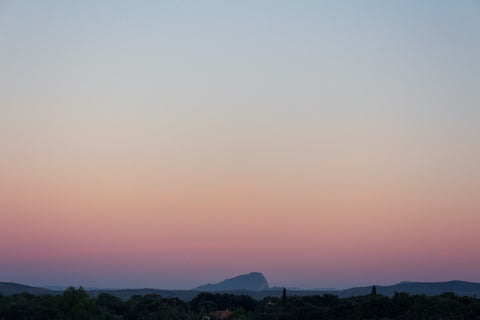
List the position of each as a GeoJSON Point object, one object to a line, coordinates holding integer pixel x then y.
{"type": "Point", "coordinates": [77, 304]}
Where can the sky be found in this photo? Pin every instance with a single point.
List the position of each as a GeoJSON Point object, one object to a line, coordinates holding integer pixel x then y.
{"type": "Point", "coordinates": [170, 144]}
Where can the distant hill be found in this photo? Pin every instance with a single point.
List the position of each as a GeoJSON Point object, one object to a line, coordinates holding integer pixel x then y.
{"type": "Point", "coordinates": [9, 288]}
{"type": "Point", "coordinates": [461, 288]}
{"type": "Point", "coordinates": [126, 294]}
{"type": "Point", "coordinates": [257, 281]}
{"type": "Point", "coordinates": [254, 281]}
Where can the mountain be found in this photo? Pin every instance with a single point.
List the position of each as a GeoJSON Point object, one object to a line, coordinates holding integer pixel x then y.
{"type": "Point", "coordinates": [255, 285]}
{"type": "Point", "coordinates": [460, 288]}
{"type": "Point", "coordinates": [9, 288]}
{"type": "Point", "coordinates": [254, 281]}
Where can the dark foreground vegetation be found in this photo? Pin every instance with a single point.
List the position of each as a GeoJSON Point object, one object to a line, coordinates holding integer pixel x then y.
{"type": "Point", "coordinates": [77, 304]}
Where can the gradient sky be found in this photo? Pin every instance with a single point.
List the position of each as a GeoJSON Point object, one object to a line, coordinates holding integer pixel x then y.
{"type": "Point", "coordinates": [170, 144]}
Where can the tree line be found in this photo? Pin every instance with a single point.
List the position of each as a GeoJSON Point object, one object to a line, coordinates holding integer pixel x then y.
{"type": "Point", "coordinates": [77, 304]}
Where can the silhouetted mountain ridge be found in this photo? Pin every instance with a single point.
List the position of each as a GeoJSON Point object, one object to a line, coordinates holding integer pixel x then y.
{"type": "Point", "coordinates": [460, 288]}
{"type": "Point", "coordinates": [9, 288]}
{"type": "Point", "coordinates": [254, 281]}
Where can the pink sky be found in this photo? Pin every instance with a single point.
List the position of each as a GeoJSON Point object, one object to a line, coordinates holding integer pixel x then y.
{"type": "Point", "coordinates": [325, 145]}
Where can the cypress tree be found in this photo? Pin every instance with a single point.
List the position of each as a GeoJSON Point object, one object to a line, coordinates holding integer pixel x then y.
{"type": "Point", "coordinates": [284, 298]}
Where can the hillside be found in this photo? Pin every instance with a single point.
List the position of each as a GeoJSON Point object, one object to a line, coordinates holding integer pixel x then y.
{"type": "Point", "coordinates": [9, 288]}
{"type": "Point", "coordinates": [460, 288]}
{"type": "Point", "coordinates": [126, 294]}
{"type": "Point", "coordinates": [254, 281]}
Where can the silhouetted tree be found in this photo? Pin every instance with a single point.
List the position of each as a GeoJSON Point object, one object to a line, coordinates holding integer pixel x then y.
{"type": "Point", "coordinates": [75, 304]}
{"type": "Point", "coordinates": [284, 299]}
